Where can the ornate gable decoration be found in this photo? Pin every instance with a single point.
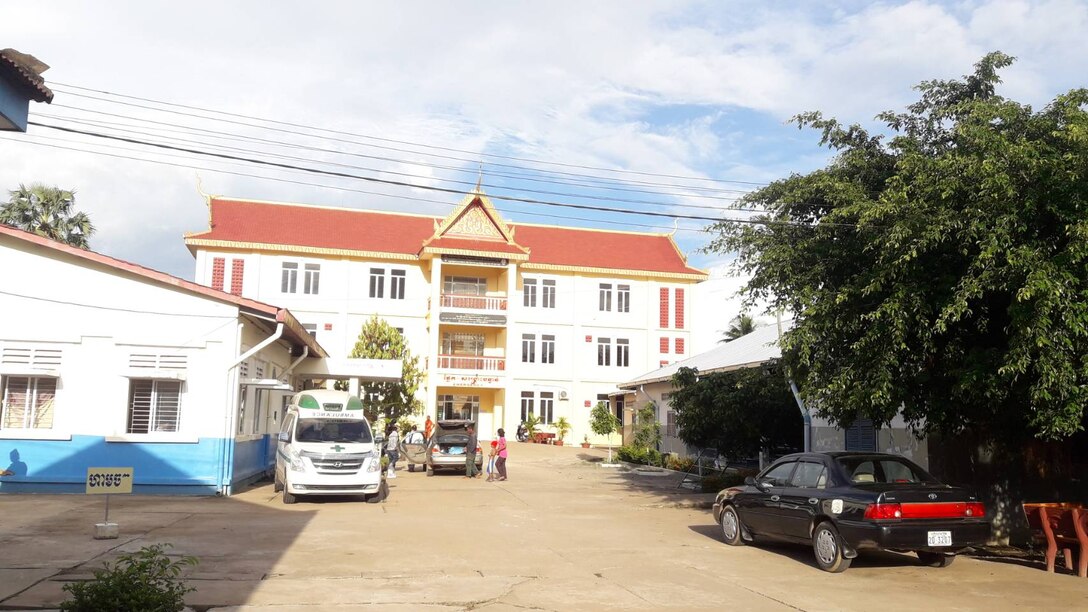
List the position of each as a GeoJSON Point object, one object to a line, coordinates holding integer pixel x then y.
{"type": "Point", "coordinates": [475, 224]}
{"type": "Point", "coordinates": [474, 219]}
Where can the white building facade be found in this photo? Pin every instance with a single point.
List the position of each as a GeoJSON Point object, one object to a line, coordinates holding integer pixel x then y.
{"type": "Point", "coordinates": [508, 319]}
{"type": "Point", "coordinates": [104, 363]}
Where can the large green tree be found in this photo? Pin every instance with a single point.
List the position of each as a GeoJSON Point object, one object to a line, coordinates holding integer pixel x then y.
{"type": "Point", "coordinates": [738, 412]}
{"type": "Point", "coordinates": [379, 340]}
{"type": "Point", "coordinates": [48, 212]}
{"type": "Point", "coordinates": [943, 271]}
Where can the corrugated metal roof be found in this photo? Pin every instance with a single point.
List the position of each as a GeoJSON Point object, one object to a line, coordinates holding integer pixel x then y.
{"type": "Point", "coordinates": [752, 349]}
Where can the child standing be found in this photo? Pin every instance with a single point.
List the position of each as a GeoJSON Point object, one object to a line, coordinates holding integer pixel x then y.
{"type": "Point", "coordinates": [491, 461]}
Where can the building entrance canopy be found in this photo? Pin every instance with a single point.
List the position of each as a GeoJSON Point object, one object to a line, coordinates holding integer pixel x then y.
{"type": "Point", "coordinates": [366, 370]}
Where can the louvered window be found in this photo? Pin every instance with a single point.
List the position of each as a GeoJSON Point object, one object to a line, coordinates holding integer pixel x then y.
{"type": "Point", "coordinates": [41, 358]}
{"type": "Point", "coordinates": [28, 402]}
{"type": "Point", "coordinates": [153, 406]}
{"type": "Point", "coordinates": [153, 361]}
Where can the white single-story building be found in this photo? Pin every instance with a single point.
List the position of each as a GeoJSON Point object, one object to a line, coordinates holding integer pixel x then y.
{"type": "Point", "coordinates": [750, 351]}
{"type": "Point", "coordinates": [105, 363]}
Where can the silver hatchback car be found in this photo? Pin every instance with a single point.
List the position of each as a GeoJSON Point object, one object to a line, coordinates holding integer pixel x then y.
{"type": "Point", "coordinates": [445, 450]}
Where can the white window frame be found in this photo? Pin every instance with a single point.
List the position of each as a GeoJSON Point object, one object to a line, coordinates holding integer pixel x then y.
{"type": "Point", "coordinates": [528, 348]}
{"type": "Point", "coordinates": [604, 351]}
{"type": "Point", "coordinates": [397, 280]}
{"type": "Point", "coordinates": [547, 407]}
{"type": "Point", "coordinates": [32, 408]}
{"type": "Point", "coordinates": [377, 283]}
{"type": "Point", "coordinates": [547, 348]}
{"type": "Point", "coordinates": [528, 399]}
{"type": "Point", "coordinates": [288, 277]}
{"type": "Point", "coordinates": [623, 352]}
{"type": "Point", "coordinates": [311, 279]}
{"type": "Point", "coordinates": [528, 291]}
{"type": "Point", "coordinates": [604, 297]}
{"type": "Point", "coordinates": [154, 405]}
{"type": "Point", "coordinates": [623, 298]}
{"type": "Point", "coordinates": [547, 293]}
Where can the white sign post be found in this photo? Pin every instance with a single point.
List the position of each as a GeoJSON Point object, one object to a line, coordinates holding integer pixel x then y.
{"type": "Point", "coordinates": [106, 481]}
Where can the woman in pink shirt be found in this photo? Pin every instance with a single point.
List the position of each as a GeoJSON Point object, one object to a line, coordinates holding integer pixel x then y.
{"type": "Point", "coordinates": [500, 465]}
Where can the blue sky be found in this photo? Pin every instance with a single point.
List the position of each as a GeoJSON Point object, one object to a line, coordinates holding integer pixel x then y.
{"type": "Point", "coordinates": [701, 90]}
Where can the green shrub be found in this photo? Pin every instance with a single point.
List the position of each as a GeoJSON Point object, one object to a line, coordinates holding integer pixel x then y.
{"type": "Point", "coordinates": [146, 580]}
{"type": "Point", "coordinates": [731, 478]}
{"type": "Point", "coordinates": [637, 454]}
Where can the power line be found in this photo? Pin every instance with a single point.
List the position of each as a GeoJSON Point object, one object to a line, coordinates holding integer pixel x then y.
{"type": "Point", "coordinates": [391, 140]}
{"type": "Point", "coordinates": [703, 192]}
{"type": "Point", "coordinates": [391, 182]}
{"type": "Point", "coordinates": [508, 211]}
{"type": "Point", "coordinates": [410, 175]}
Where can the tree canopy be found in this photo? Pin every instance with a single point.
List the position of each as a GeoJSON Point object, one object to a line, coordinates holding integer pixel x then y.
{"type": "Point", "coordinates": [741, 325]}
{"type": "Point", "coordinates": [943, 272]}
{"type": "Point", "coordinates": [48, 212]}
{"type": "Point", "coordinates": [738, 412]}
{"type": "Point", "coordinates": [379, 340]}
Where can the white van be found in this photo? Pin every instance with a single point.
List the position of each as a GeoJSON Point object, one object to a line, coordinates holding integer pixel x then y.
{"type": "Point", "coordinates": [326, 447]}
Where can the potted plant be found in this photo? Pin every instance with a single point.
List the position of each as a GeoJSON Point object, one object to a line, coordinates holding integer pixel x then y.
{"type": "Point", "coordinates": [562, 428]}
{"type": "Point", "coordinates": [530, 427]}
{"type": "Point", "coordinates": [585, 441]}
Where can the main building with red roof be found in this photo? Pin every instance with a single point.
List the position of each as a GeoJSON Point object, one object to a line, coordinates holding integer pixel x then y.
{"type": "Point", "coordinates": [509, 319]}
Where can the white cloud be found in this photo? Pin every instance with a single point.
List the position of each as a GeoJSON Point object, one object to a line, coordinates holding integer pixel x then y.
{"type": "Point", "coordinates": [583, 84]}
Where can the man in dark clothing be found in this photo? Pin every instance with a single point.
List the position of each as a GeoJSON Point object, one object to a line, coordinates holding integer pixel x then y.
{"type": "Point", "coordinates": [470, 454]}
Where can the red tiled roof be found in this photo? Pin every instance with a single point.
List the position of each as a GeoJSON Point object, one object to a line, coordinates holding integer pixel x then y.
{"type": "Point", "coordinates": [369, 231]}
{"type": "Point", "coordinates": [281, 315]}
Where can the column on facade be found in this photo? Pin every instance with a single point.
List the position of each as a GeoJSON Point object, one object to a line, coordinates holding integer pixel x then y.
{"type": "Point", "coordinates": [434, 305]}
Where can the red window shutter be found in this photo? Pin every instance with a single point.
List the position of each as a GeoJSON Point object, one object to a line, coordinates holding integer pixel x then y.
{"type": "Point", "coordinates": [237, 271]}
{"type": "Point", "coordinates": [663, 363]}
{"type": "Point", "coordinates": [664, 307]}
{"type": "Point", "coordinates": [679, 317]}
{"type": "Point", "coordinates": [679, 346]}
{"type": "Point", "coordinates": [664, 345]}
{"type": "Point", "coordinates": [218, 271]}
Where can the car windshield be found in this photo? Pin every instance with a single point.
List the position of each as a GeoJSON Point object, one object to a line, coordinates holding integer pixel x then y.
{"type": "Point", "coordinates": [890, 470]}
{"type": "Point", "coordinates": [333, 430]}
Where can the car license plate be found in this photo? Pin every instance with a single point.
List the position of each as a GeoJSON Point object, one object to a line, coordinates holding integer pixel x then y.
{"type": "Point", "coordinates": [940, 538]}
{"type": "Point", "coordinates": [457, 450]}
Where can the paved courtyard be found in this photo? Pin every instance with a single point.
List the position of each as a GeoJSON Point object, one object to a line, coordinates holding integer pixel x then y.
{"type": "Point", "coordinates": [562, 534]}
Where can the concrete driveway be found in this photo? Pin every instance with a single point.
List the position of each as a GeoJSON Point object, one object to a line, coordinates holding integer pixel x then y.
{"type": "Point", "coordinates": [561, 534]}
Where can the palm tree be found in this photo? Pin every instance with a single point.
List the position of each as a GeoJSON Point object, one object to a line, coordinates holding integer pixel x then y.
{"type": "Point", "coordinates": [47, 212]}
{"type": "Point", "coordinates": [742, 325]}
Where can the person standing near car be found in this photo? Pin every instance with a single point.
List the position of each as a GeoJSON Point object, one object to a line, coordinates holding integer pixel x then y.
{"type": "Point", "coordinates": [500, 463]}
{"type": "Point", "coordinates": [392, 449]}
{"type": "Point", "coordinates": [428, 428]}
{"type": "Point", "coordinates": [470, 453]}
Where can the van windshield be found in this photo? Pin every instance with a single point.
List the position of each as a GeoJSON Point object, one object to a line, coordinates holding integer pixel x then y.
{"type": "Point", "coordinates": [333, 430]}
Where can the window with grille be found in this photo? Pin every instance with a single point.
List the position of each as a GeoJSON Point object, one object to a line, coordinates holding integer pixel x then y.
{"type": "Point", "coordinates": [289, 278]}
{"type": "Point", "coordinates": [456, 407]}
{"type": "Point", "coordinates": [153, 406]}
{"type": "Point", "coordinates": [528, 293]}
{"type": "Point", "coordinates": [396, 284]}
{"type": "Point", "coordinates": [464, 285]}
{"type": "Point", "coordinates": [670, 424]}
{"type": "Point", "coordinates": [470, 345]}
{"type": "Point", "coordinates": [312, 280]}
{"type": "Point", "coordinates": [28, 402]}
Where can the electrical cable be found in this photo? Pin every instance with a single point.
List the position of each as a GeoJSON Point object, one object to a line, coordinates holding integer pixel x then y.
{"type": "Point", "coordinates": [381, 139]}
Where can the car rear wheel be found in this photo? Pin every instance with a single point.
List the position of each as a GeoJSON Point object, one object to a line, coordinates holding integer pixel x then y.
{"type": "Point", "coordinates": [731, 527]}
{"type": "Point", "coordinates": [827, 544]}
{"type": "Point", "coordinates": [935, 559]}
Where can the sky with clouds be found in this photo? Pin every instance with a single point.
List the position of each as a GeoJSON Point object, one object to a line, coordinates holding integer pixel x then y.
{"type": "Point", "coordinates": [698, 90]}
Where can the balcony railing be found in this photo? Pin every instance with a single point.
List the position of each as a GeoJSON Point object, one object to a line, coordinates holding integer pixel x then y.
{"type": "Point", "coordinates": [475, 302]}
{"type": "Point", "coordinates": [461, 362]}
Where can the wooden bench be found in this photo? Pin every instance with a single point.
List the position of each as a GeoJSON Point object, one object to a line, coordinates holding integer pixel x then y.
{"type": "Point", "coordinates": [1062, 525]}
{"type": "Point", "coordinates": [542, 437]}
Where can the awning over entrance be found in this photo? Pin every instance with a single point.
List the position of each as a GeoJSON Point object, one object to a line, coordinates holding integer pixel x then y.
{"type": "Point", "coordinates": [372, 370]}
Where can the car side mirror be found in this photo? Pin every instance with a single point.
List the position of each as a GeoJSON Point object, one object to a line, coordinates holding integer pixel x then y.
{"type": "Point", "coordinates": [285, 436]}
{"type": "Point", "coordinates": [750, 481]}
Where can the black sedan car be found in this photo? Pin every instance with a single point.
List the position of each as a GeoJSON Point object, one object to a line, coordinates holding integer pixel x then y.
{"type": "Point", "coordinates": [844, 502]}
